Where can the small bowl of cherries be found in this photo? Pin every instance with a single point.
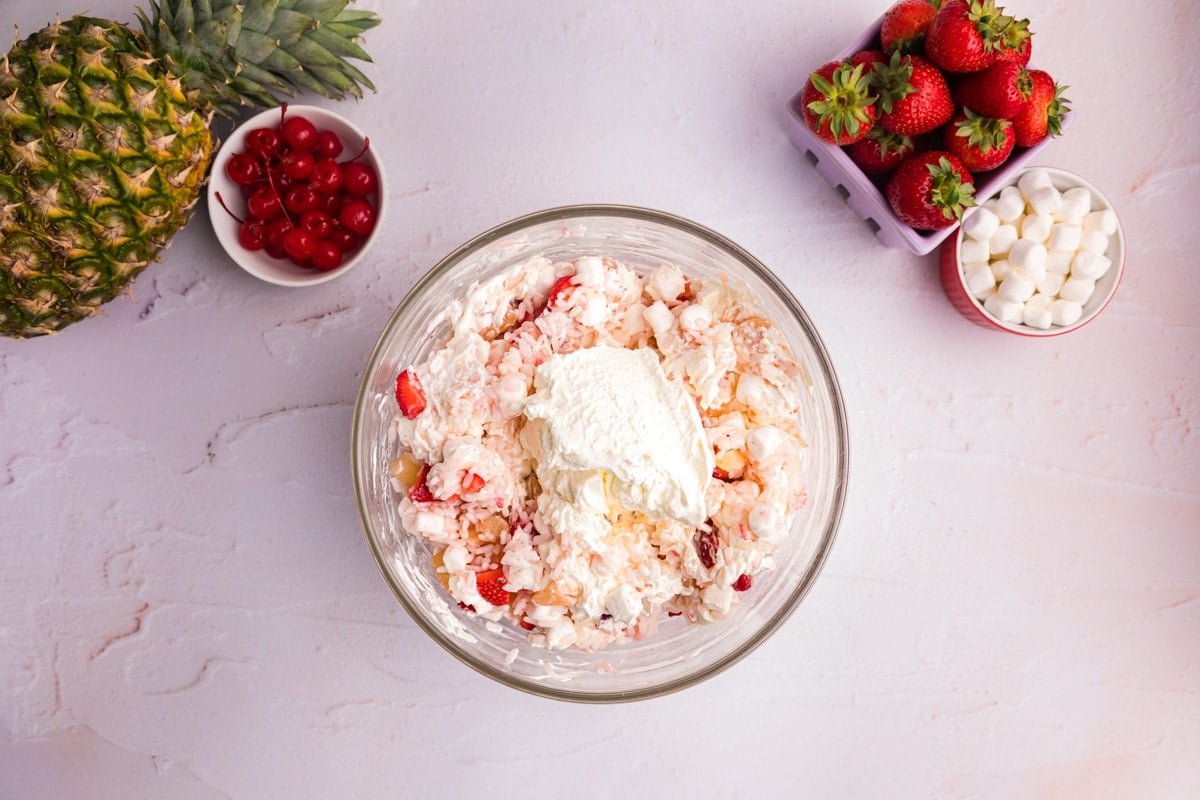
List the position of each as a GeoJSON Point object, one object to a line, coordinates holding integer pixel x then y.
{"type": "Point", "coordinates": [296, 195]}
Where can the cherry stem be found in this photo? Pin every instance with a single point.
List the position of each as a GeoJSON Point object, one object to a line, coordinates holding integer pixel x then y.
{"type": "Point", "coordinates": [279, 197]}
{"type": "Point", "coordinates": [221, 200]}
{"type": "Point", "coordinates": [365, 147]}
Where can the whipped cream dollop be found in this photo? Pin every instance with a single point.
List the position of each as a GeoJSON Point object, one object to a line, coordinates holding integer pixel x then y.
{"type": "Point", "coordinates": [607, 428]}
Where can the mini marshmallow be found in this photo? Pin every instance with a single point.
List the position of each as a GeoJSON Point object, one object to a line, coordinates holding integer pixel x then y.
{"type": "Point", "coordinates": [1028, 256]}
{"type": "Point", "coordinates": [973, 251]}
{"type": "Point", "coordinates": [1077, 289]}
{"type": "Point", "coordinates": [1045, 200]}
{"type": "Point", "coordinates": [1049, 285]}
{"type": "Point", "coordinates": [978, 279]}
{"type": "Point", "coordinates": [1065, 312]}
{"type": "Point", "coordinates": [1078, 194]}
{"type": "Point", "coordinates": [1087, 264]}
{"type": "Point", "coordinates": [1076, 203]}
{"type": "Point", "coordinates": [1016, 288]}
{"type": "Point", "coordinates": [1033, 180]}
{"type": "Point", "coordinates": [589, 271]}
{"type": "Point", "coordinates": [981, 224]}
{"type": "Point", "coordinates": [1037, 317]}
{"type": "Point", "coordinates": [1001, 268]}
{"type": "Point", "coordinates": [1002, 239]}
{"type": "Point", "coordinates": [1059, 261]}
{"type": "Point", "coordinates": [1002, 309]}
{"type": "Point", "coordinates": [695, 317]}
{"type": "Point", "coordinates": [1094, 241]}
{"type": "Point", "coordinates": [659, 317]}
{"type": "Point", "coordinates": [1034, 275]}
{"type": "Point", "coordinates": [1040, 299]}
{"type": "Point", "coordinates": [1037, 227]}
{"type": "Point", "coordinates": [1103, 220]}
{"type": "Point", "coordinates": [1064, 238]}
{"type": "Point", "coordinates": [1010, 205]}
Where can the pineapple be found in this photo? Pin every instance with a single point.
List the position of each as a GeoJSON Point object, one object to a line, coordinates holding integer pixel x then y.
{"type": "Point", "coordinates": [105, 137]}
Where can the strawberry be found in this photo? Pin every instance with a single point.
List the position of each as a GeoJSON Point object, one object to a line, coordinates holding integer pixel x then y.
{"type": "Point", "coordinates": [981, 143]}
{"type": "Point", "coordinates": [930, 190]}
{"type": "Point", "coordinates": [1000, 91]}
{"type": "Point", "coordinates": [966, 35]}
{"type": "Point", "coordinates": [410, 395]}
{"type": "Point", "coordinates": [561, 289]}
{"type": "Point", "coordinates": [868, 58]}
{"type": "Point", "coordinates": [490, 585]}
{"type": "Point", "coordinates": [881, 151]}
{"type": "Point", "coordinates": [837, 103]}
{"type": "Point", "coordinates": [472, 483]}
{"type": "Point", "coordinates": [913, 95]}
{"type": "Point", "coordinates": [1016, 43]}
{"type": "Point", "coordinates": [1043, 115]}
{"type": "Point", "coordinates": [419, 491]}
{"type": "Point", "coordinates": [707, 544]}
{"type": "Point", "coordinates": [905, 25]}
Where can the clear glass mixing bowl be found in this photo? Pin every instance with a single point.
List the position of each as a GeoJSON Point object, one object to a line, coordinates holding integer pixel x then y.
{"type": "Point", "coordinates": [679, 654]}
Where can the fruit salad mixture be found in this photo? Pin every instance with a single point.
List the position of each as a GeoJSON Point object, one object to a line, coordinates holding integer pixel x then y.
{"type": "Point", "coordinates": [595, 447]}
{"type": "Point", "coordinates": [947, 94]}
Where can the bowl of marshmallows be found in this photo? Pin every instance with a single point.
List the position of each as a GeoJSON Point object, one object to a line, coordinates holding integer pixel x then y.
{"type": "Point", "coordinates": [1042, 256]}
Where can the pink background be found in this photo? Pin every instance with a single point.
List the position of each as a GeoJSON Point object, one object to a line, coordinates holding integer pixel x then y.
{"type": "Point", "coordinates": [187, 606]}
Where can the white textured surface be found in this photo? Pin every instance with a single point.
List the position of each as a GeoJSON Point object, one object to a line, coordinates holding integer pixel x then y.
{"type": "Point", "coordinates": [187, 606]}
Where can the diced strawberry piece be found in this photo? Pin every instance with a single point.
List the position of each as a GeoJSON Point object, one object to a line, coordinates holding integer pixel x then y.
{"type": "Point", "coordinates": [706, 547]}
{"type": "Point", "coordinates": [490, 585]}
{"type": "Point", "coordinates": [410, 395]}
{"type": "Point", "coordinates": [527, 625]}
{"type": "Point", "coordinates": [561, 289]}
{"type": "Point", "coordinates": [419, 492]}
{"type": "Point", "coordinates": [471, 483]}
{"type": "Point", "coordinates": [743, 583]}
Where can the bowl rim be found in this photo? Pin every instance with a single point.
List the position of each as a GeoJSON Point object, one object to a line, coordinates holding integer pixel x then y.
{"type": "Point", "coordinates": [840, 469]}
{"type": "Point", "coordinates": [229, 242]}
{"type": "Point", "coordinates": [985, 318]}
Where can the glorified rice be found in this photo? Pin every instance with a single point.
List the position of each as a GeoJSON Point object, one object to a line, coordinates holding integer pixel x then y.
{"type": "Point", "coordinates": [594, 447]}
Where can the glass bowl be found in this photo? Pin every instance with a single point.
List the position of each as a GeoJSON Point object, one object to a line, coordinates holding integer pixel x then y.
{"type": "Point", "coordinates": [678, 654]}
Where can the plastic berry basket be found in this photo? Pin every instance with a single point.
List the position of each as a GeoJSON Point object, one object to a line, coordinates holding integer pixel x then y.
{"type": "Point", "coordinates": [863, 195]}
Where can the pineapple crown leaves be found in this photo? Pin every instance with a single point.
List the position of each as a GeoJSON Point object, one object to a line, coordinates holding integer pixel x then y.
{"type": "Point", "coordinates": [256, 52]}
{"type": "Point", "coordinates": [949, 191]}
{"type": "Point", "coordinates": [846, 95]}
{"type": "Point", "coordinates": [892, 80]}
{"type": "Point", "coordinates": [983, 133]}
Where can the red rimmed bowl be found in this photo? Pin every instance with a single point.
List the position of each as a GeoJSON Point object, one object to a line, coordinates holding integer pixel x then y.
{"type": "Point", "coordinates": [974, 309]}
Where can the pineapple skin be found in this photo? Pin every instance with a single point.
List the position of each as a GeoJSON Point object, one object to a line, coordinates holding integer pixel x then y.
{"type": "Point", "coordinates": [102, 158]}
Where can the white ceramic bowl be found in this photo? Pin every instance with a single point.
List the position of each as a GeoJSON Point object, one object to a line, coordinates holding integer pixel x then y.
{"type": "Point", "coordinates": [951, 268]}
{"type": "Point", "coordinates": [678, 654]}
{"type": "Point", "coordinates": [258, 263]}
